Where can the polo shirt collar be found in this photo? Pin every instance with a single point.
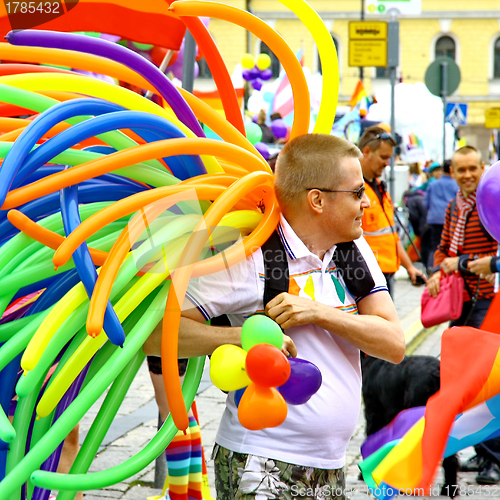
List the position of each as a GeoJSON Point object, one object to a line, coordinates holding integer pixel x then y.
{"type": "Point", "coordinates": [294, 246]}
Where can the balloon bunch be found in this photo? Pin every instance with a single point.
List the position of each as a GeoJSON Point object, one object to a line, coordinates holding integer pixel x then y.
{"type": "Point", "coordinates": [256, 72]}
{"type": "Point", "coordinates": [263, 378]}
{"type": "Point", "coordinates": [114, 181]}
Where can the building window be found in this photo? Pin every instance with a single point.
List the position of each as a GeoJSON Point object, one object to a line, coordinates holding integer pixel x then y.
{"type": "Point", "coordinates": [496, 59]}
{"type": "Point", "coordinates": [445, 47]}
{"type": "Point", "coordinates": [337, 48]}
{"type": "Point", "coordinates": [204, 69]}
{"type": "Point", "coordinates": [275, 62]}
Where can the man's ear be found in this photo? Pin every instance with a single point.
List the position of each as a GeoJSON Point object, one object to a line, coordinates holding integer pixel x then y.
{"type": "Point", "coordinates": [316, 200]}
{"type": "Point", "coordinates": [366, 151]}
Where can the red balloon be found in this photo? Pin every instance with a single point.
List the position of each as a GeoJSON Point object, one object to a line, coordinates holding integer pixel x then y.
{"type": "Point", "coordinates": [261, 407]}
{"type": "Point", "coordinates": [267, 366]}
{"type": "Point", "coordinates": [158, 53]}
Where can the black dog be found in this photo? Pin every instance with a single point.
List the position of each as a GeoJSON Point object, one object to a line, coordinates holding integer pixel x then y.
{"type": "Point", "coordinates": [389, 389]}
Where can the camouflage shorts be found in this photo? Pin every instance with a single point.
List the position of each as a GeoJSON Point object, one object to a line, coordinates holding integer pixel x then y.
{"type": "Point", "coordinates": [239, 476]}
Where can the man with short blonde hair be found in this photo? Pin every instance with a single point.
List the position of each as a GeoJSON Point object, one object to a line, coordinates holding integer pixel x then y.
{"type": "Point", "coordinates": [321, 194]}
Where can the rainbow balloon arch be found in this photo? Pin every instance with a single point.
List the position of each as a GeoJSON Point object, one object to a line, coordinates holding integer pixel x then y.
{"type": "Point", "coordinates": [96, 175]}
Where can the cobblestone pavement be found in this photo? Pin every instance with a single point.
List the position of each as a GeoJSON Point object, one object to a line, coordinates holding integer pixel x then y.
{"type": "Point", "coordinates": [136, 425]}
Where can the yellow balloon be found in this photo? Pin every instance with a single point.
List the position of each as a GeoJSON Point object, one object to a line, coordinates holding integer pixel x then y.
{"type": "Point", "coordinates": [263, 61]}
{"type": "Point", "coordinates": [329, 62]}
{"type": "Point", "coordinates": [96, 88]}
{"type": "Point", "coordinates": [59, 314]}
{"type": "Point", "coordinates": [247, 61]}
{"type": "Point", "coordinates": [227, 368]}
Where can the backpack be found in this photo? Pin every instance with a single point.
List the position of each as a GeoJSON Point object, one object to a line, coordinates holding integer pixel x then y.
{"type": "Point", "coordinates": [347, 257]}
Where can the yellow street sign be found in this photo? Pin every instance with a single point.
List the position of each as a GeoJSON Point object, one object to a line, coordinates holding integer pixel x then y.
{"type": "Point", "coordinates": [368, 30]}
{"type": "Point", "coordinates": [368, 43]}
{"type": "Point", "coordinates": [492, 118]}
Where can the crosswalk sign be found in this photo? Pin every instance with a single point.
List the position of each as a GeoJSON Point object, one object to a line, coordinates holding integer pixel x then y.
{"type": "Point", "coordinates": [456, 113]}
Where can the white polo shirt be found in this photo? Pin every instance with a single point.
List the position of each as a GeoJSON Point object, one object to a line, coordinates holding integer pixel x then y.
{"type": "Point", "coordinates": [315, 434]}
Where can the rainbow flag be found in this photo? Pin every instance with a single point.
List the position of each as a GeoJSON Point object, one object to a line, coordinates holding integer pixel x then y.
{"type": "Point", "coordinates": [465, 411]}
{"type": "Point", "coordinates": [360, 98]}
{"type": "Point", "coordinates": [414, 141]}
{"type": "Point", "coordinates": [283, 98]}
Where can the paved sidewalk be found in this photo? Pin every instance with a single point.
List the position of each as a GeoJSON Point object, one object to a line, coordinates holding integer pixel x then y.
{"type": "Point", "coordinates": [137, 420]}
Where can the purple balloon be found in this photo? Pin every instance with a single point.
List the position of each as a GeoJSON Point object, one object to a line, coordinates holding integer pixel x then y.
{"type": "Point", "coordinates": [254, 73]}
{"type": "Point", "coordinates": [279, 128]}
{"type": "Point", "coordinates": [262, 149]}
{"type": "Point", "coordinates": [257, 84]}
{"type": "Point", "coordinates": [246, 75]}
{"type": "Point", "coordinates": [305, 380]}
{"type": "Point", "coordinates": [267, 74]}
{"type": "Point", "coordinates": [488, 194]}
{"type": "Point", "coordinates": [115, 52]}
{"type": "Point", "coordinates": [255, 118]}
{"type": "Point", "coordinates": [238, 395]}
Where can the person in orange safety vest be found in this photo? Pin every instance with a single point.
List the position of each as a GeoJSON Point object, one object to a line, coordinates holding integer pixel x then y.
{"type": "Point", "coordinates": [378, 225]}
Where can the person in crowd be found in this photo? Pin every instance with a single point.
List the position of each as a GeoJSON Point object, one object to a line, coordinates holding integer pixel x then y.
{"type": "Point", "coordinates": [417, 176]}
{"type": "Point", "coordinates": [463, 240]}
{"type": "Point", "coordinates": [378, 225]}
{"type": "Point", "coordinates": [331, 271]}
{"type": "Point", "coordinates": [437, 197]}
{"type": "Point", "coordinates": [267, 134]}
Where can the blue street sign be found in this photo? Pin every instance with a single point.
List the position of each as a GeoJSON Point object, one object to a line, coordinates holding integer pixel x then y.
{"type": "Point", "coordinates": [456, 113]}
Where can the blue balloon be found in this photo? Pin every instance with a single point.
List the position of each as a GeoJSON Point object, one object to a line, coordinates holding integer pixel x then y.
{"type": "Point", "coordinates": [238, 395]}
{"type": "Point", "coordinates": [60, 286]}
{"type": "Point", "coordinates": [38, 127]}
{"type": "Point", "coordinates": [50, 203]}
{"type": "Point", "coordinates": [154, 127]}
{"type": "Point", "coordinates": [84, 265]}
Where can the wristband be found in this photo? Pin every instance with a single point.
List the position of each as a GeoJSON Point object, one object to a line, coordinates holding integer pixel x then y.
{"type": "Point", "coordinates": [495, 264]}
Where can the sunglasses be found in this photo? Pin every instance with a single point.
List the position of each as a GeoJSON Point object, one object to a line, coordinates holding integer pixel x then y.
{"type": "Point", "coordinates": [384, 136]}
{"type": "Point", "coordinates": [359, 192]}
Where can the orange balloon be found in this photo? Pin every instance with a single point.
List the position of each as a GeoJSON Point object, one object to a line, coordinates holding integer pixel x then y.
{"type": "Point", "coordinates": [272, 39]}
{"type": "Point", "coordinates": [126, 157]}
{"type": "Point", "coordinates": [261, 407]}
{"type": "Point", "coordinates": [46, 236]}
{"type": "Point", "coordinates": [180, 281]}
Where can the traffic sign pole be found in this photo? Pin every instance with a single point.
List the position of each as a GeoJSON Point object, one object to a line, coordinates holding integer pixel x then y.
{"type": "Point", "coordinates": [444, 87]}
{"type": "Point", "coordinates": [392, 63]}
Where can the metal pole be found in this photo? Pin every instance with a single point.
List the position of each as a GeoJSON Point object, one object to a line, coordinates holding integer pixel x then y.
{"type": "Point", "coordinates": [392, 72]}
{"type": "Point", "coordinates": [188, 64]}
{"type": "Point", "coordinates": [362, 19]}
{"type": "Point", "coordinates": [444, 91]}
{"type": "Point", "coordinates": [163, 66]}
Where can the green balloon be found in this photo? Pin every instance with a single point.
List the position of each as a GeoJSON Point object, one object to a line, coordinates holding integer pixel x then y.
{"type": "Point", "coordinates": [260, 329]}
{"type": "Point", "coordinates": [254, 132]}
{"type": "Point", "coordinates": [143, 46]}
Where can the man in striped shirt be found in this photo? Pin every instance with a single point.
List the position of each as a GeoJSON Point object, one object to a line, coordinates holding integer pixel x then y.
{"type": "Point", "coordinates": [463, 240]}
